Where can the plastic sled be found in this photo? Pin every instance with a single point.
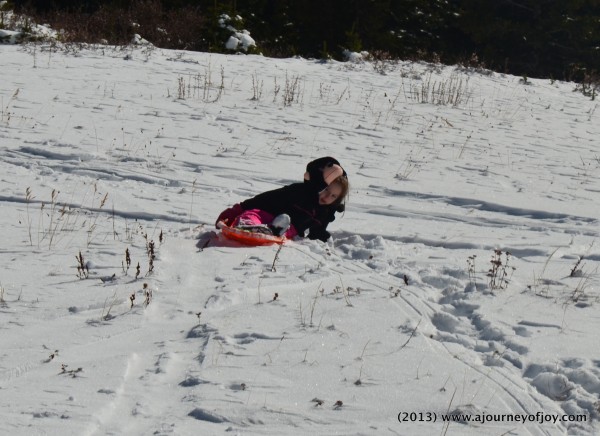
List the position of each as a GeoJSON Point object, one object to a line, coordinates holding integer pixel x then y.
{"type": "Point", "coordinates": [247, 237]}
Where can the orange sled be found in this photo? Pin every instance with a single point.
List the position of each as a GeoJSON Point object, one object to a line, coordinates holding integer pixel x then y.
{"type": "Point", "coordinates": [249, 238]}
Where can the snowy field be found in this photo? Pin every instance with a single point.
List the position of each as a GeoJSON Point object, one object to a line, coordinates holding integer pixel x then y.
{"type": "Point", "coordinates": [114, 158]}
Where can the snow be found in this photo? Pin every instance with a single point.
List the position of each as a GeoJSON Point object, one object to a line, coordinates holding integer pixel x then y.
{"type": "Point", "coordinates": [9, 36]}
{"type": "Point", "coordinates": [354, 56]}
{"type": "Point", "coordinates": [138, 40]}
{"type": "Point", "coordinates": [106, 149]}
{"type": "Point", "coordinates": [27, 28]}
{"type": "Point", "coordinates": [239, 39]}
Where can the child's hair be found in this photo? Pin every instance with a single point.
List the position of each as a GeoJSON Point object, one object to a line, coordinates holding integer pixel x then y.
{"type": "Point", "coordinates": [343, 181]}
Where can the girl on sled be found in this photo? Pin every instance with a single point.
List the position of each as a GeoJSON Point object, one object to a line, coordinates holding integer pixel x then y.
{"type": "Point", "coordinates": [291, 210]}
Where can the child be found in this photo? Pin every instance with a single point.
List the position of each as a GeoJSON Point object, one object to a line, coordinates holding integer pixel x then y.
{"type": "Point", "coordinates": [309, 206]}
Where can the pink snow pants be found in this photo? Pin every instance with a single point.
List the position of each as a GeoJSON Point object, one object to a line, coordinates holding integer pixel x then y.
{"type": "Point", "coordinates": [256, 217]}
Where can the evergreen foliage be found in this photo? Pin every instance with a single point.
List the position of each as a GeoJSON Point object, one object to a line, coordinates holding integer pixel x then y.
{"type": "Point", "coordinates": [534, 38]}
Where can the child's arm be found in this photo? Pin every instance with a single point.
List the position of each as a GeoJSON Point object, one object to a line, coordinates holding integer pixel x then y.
{"type": "Point", "coordinates": [320, 231]}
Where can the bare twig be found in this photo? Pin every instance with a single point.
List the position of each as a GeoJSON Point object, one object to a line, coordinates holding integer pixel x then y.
{"type": "Point", "coordinates": [411, 336]}
{"type": "Point", "coordinates": [276, 257]}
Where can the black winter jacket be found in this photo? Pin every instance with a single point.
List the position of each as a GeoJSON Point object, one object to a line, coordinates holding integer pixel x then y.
{"type": "Point", "coordinates": [301, 202]}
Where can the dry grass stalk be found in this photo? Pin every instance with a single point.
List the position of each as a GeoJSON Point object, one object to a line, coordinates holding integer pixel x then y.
{"type": "Point", "coordinates": [83, 271]}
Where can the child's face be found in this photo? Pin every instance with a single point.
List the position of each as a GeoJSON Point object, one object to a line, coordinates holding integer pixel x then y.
{"type": "Point", "coordinates": [330, 194]}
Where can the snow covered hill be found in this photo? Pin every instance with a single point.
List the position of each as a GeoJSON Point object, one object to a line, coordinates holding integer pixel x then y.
{"type": "Point", "coordinates": [462, 280]}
